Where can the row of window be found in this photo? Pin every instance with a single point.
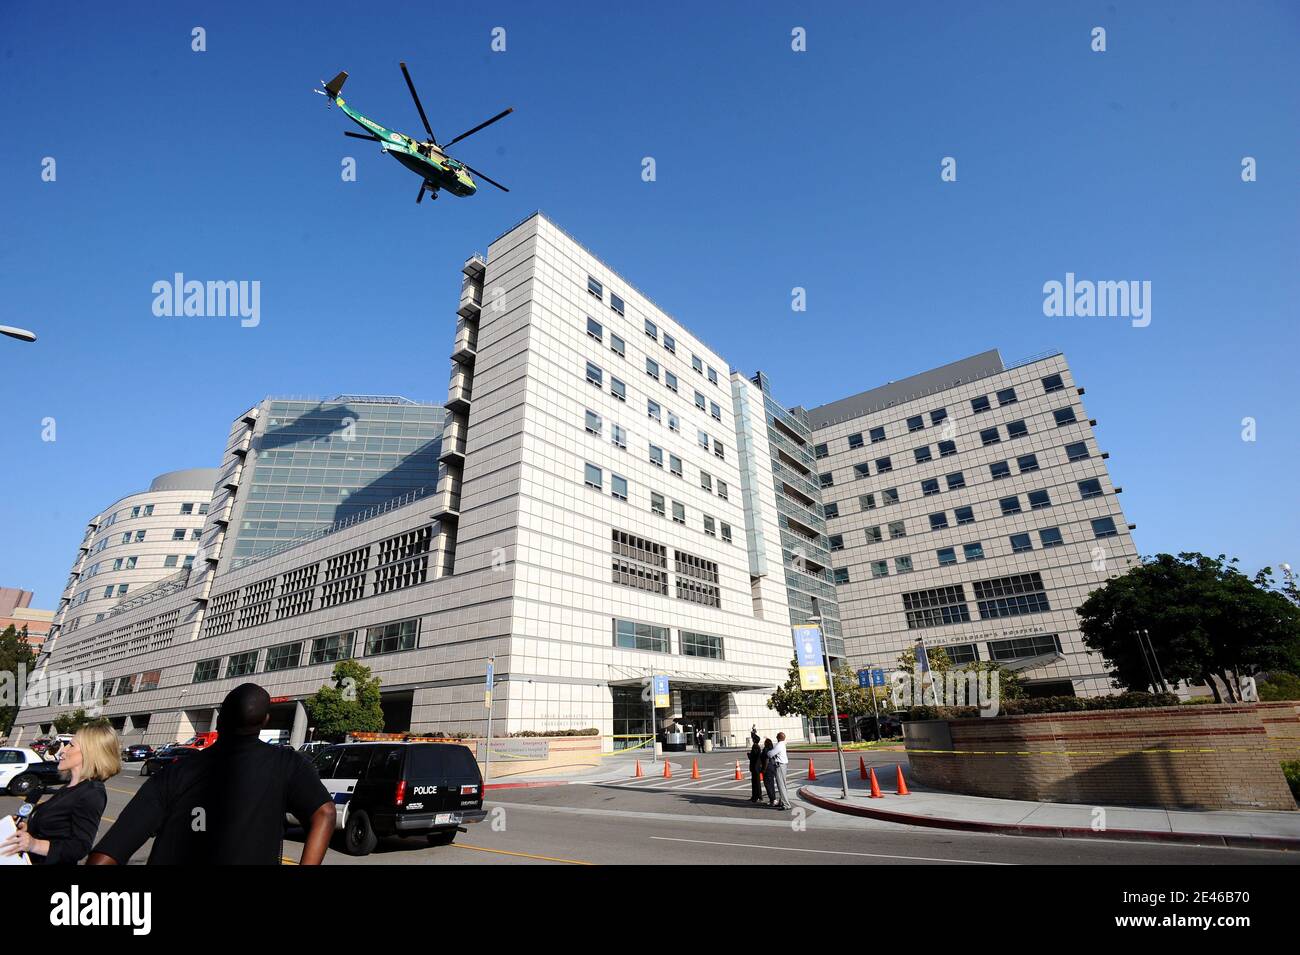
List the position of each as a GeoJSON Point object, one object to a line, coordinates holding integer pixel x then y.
{"type": "Point", "coordinates": [147, 510]}
{"type": "Point", "coordinates": [594, 477]}
{"type": "Point", "coordinates": [654, 410]}
{"type": "Point", "coordinates": [995, 599]}
{"type": "Point", "coordinates": [1006, 396]}
{"type": "Point", "coordinates": [1102, 527]}
{"type": "Point", "coordinates": [653, 369]}
{"type": "Point", "coordinates": [385, 638]}
{"type": "Point", "coordinates": [631, 635]}
{"type": "Point", "coordinates": [594, 424]}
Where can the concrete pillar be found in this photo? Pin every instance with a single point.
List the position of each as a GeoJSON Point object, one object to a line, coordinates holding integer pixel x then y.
{"type": "Point", "coordinates": [298, 735]}
{"type": "Point", "coordinates": [212, 723]}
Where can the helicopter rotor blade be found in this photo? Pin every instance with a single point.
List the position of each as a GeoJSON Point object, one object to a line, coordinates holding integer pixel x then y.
{"type": "Point", "coordinates": [416, 96]}
{"type": "Point", "coordinates": [501, 115]}
{"type": "Point", "coordinates": [420, 197]}
{"type": "Point", "coordinates": [485, 177]}
{"type": "Point", "coordinates": [372, 137]}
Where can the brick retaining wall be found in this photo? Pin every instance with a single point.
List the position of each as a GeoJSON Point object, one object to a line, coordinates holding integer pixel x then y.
{"type": "Point", "coordinates": [1186, 757]}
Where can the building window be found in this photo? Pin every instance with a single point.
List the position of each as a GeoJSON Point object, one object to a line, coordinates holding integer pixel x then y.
{"type": "Point", "coordinates": [670, 380]}
{"type": "Point", "coordinates": [713, 375]}
{"type": "Point", "coordinates": [726, 532]}
{"type": "Point", "coordinates": [710, 526]}
{"type": "Point", "coordinates": [922, 454]}
{"type": "Point", "coordinates": [703, 438]}
{"type": "Point", "coordinates": [207, 670]}
{"type": "Point", "coordinates": [1020, 543]}
{"type": "Point", "coordinates": [1021, 647]}
{"type": "Point", "coordinates": [697, 364]}
{"type": "Point", "coordinates": [595, 329]}
{"type": "Point", "coordinates": [1007, 396]}
{"type": "Point", "coordinates": [884, 465]}
{"type": "Point", "coordinates": [955, 481]}
{"type": "Point", "coordinates": [593, 477]}
{"type": "Point", "coordinates": [889, 496]}
{"type": "Point", "coordinates": [946, 555]}
{"type": "Point", "coordinates": [656, 456]}
{"type": "Point", "coordinates": [1039, 500]}
{"type": "Point", "coordinates": [915, 423]}
{"type": "Point", "coordinates": [172, 560]}
{"type": "Point", "coordinates": [880, 568]}
{"type": "Point", "coordinates": [331, 649]}
{"type": "Point", "coordinates": [897, 529]}
{"type": "Point", "coordinates": [840, 575]}
{"type": "Point", "coordinates": [242, 664]}
{"type": "Point", "coordinates": [1089, 488]}
{"type": "Point", "coordinates": [653, 410]}
{"type": "Point", "coordinates": [595, 375]}
{"type": "Point", "coordinates": [674, 423]}
{"type": "Point", "coordinates": [861, 471]}
{"type": "Point", "coordinates": [964, 515]}
{"type": "Point", "coordinates": [1009, 505]}
{"type": "Point", "coordinates": [936, 607]}
{"type": "Point", "coordinates": [1000, 469]}
{"type": "Point", "coordinates": [973, 551]}
{"type": "Point", "coordinates": [283, 657]}
{"type": "Point", "coordinates": [827, 479]}
{"type": "Point", "coordinates": [651, 329]}
{"type": "Point", "coordinates": [178, 534]}
{"type": "Point", "coordinates": [947, 448]}
{"type": "Point", "coordinates": [1027, 463]}
{"type": "Point", "coordinates": [929, 487]}
{"type": "Point", "coordinates": [670, 344]}
{"type": "Point", "coordinates": [679, 513]}
{"type": "Point", "coordinates": [715, 412]}
{"type": "Point", "coordinates": [203, 508]}
{"type": "Point", "coordinates": [722, 490]}
{"type": "Point", "coordinates": [877, 435]}
{"type": "Point", "coordinates": [820, 451]}
{"type": "Point", "coordinates": [719, 451]}
{"type": "Point", "coordinates": [1011, 596]}
{"type": "Point", "coordinates": [1077, 451]}
{"type": "Point", "coordinates": [657, 504]}
{"type": "Point", "coordinates": [652, 368]}
{"type": "Point", "coordinates": [962, 653]}
{"type": "Point", "coordinates": [1050, 537]}
{"type": "Point", "coordinates": [187, 508]}
{"type": "Point", "coordinates": [990, 436]}
{"type": "Point", "coordinates": [939, 521]}
{"type": "Point", "coordinates": [392, 637]}
{"type": "Point", "coordinates": [675, 465]}
{"type": "Point", "coordinates": [938, 415]}
{"type": "Point", "coordinates": [1052, 383]}
{"type": "Point", "coordinates": [196, 533]}
{"type": "Point", "coordinates": [618, 486]}
{"type": "Point", "coordinates": [700, 645]}
{"type": "Point", "coordinates": [831, 510]}
{"type": "Point", "coordinates": [617, 389]}
{"type": "Point", "coordinates": [836, 543]}
{"type": "Point", "coordinates": [706, 481]}
{"type": "Point", "coordinates": [595, 288]}
{"type": "Point", "coordinates": [1104, 527]}
{"type": "Point", "coordinates": [867, 502]}
{"type": "Point", "coordinates": [618, 435]}
{"type": "Point", "coordinates": [593, 423]}
{"type": "Point", "coordinates": [855, 441]}
{"type": "Point", "coordinates": [615, 303]}
{"type": "Point", "coordinates": [875, 535]}
{"type": "Point", "coordinates": [189, 562]}
{"type": "Point", "coordinates": [699, 400]}
{"type": "Point", "coordinates": [903, 565]}
{"type": "Point", "coordinates": [1064, 416]}
{"type": "Point", "coordinates": [980, 404]}
{"type": "Point", "coordinates": [1016, 429]}
{"type": "Point", "coordinates": [617, 345]}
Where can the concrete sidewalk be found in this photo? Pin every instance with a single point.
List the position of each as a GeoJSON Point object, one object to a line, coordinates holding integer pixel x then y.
{"type": "Point", "coordinates": [1240, 829]}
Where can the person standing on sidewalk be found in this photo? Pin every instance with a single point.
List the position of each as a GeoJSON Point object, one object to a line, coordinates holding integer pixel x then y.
{"type": "Point", "coordinates": [769, 772]}
{"type": "Point", "coordinates": [779, 760]}
{"type": "Point", "coordinates": [755, 769]}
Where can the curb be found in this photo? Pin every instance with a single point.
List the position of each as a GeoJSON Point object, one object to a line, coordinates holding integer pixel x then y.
{"type": "Point", "coordinates": [1280, 843]}
{"type": "Point", "coordinates": [536, 784]}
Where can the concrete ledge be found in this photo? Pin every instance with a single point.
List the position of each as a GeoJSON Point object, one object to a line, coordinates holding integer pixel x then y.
{"type": "Point", "coordinates": [1235, 840]}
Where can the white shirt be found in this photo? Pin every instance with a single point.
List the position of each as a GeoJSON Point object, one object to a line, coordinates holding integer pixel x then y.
{"type": "Point", "coordinates": [778, 753]}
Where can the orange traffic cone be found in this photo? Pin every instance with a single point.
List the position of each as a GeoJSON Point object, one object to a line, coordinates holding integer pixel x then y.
{"type": "Point", "coordinates": [902, 784]}
{"type": "Point", "coordinates": [737, 769]}
{"type": "Point", "coordinates": [875, 785]}
{"type": "Point", "coordinates": [812, 770]}
{"type": "Point", "coordinates": [695, 769]}
{"type": "Point", "coordinates": [668, 770]}
{"type": "Point", "coordinates": [862, 768]}
{"type": "Point", "coordinates": [638, 772]}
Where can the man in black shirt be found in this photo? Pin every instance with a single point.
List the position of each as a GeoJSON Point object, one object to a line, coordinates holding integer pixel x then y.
{"type": "Point", "coordinates": [225, 805]}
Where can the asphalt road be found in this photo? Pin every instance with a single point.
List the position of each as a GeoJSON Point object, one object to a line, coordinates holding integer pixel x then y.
{"type": "Point", "coordinates": [710, 821]}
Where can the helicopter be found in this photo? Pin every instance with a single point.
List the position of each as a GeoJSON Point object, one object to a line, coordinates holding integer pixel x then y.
{"type": "Point", "coordinates": [427, 158]}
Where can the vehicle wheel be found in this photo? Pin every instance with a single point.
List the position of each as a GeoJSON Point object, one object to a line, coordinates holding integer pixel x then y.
{"type": "Point", "coordinates": [24, 785]}
{"type": "Point", "coordinates": [442, 837]}
{"type": "Point", "coordinates": [359, 838]}
{"type": "Point", "coordinates": [144, 768]}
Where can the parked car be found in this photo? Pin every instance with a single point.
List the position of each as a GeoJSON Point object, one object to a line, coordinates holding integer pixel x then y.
{"type": "Point", "coordinates": [890, 727]}
{"type": "Point", "coordinates": [164, 758]}
{"type": "Point", "coordinates": [136, 752]}
{"type": "Point", "coordinates": [201, 740]}
{"type": "Point", "coordinates": [402, 789]}
{"type": "Point", "coordinates": [24, 771]}
{"type": "Point", "coordinates": [312, 749]}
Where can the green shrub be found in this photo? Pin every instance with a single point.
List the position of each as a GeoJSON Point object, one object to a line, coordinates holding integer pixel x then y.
{"type": "Point", "coordinates": [1279, 686]}
{"type": "Point", "coordinates": [589, 731]}
{"type": "Point", "coordinates": [1291, 770]}
{"type": "Point", "coordinates": [1047, 704]}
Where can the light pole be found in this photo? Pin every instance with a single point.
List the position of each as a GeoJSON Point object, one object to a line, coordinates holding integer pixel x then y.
{"type": "Point", "coordinates": [22, 334]}
{"type": "Point", "coordinates": [816, 618]}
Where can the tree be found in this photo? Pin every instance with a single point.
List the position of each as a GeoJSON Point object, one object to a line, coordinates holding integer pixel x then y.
{"type": "Point", "coordinates": [15, 655]}
{"type": "Point", "coordinates": [1204, 619]}
{"type": "Point", "coordinates": [350, 705]}
{"type": "Point", "coordinates": [791, 700]}
{"type": "Point", "coordinates": [77, 719]}
{"type": "Point", "coordinates": [1009, 685]}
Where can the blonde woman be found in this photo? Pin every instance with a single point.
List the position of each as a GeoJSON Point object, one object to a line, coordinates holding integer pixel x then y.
{"type": "Point", "coordinates": [62, 829]}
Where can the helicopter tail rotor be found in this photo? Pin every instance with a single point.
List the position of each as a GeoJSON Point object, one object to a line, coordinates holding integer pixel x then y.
{"type": "Point", "coordinates": [332, 89]}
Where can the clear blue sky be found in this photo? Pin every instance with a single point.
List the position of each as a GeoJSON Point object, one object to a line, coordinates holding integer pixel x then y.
{"type": "Point", "coordinates": [775, 169]}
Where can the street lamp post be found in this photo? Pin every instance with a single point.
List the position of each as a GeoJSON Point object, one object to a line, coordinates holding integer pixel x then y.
{"type": "Point", "coordinates": [22, 334]}
{"type": "Point", "coordinates": [835, 712]}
